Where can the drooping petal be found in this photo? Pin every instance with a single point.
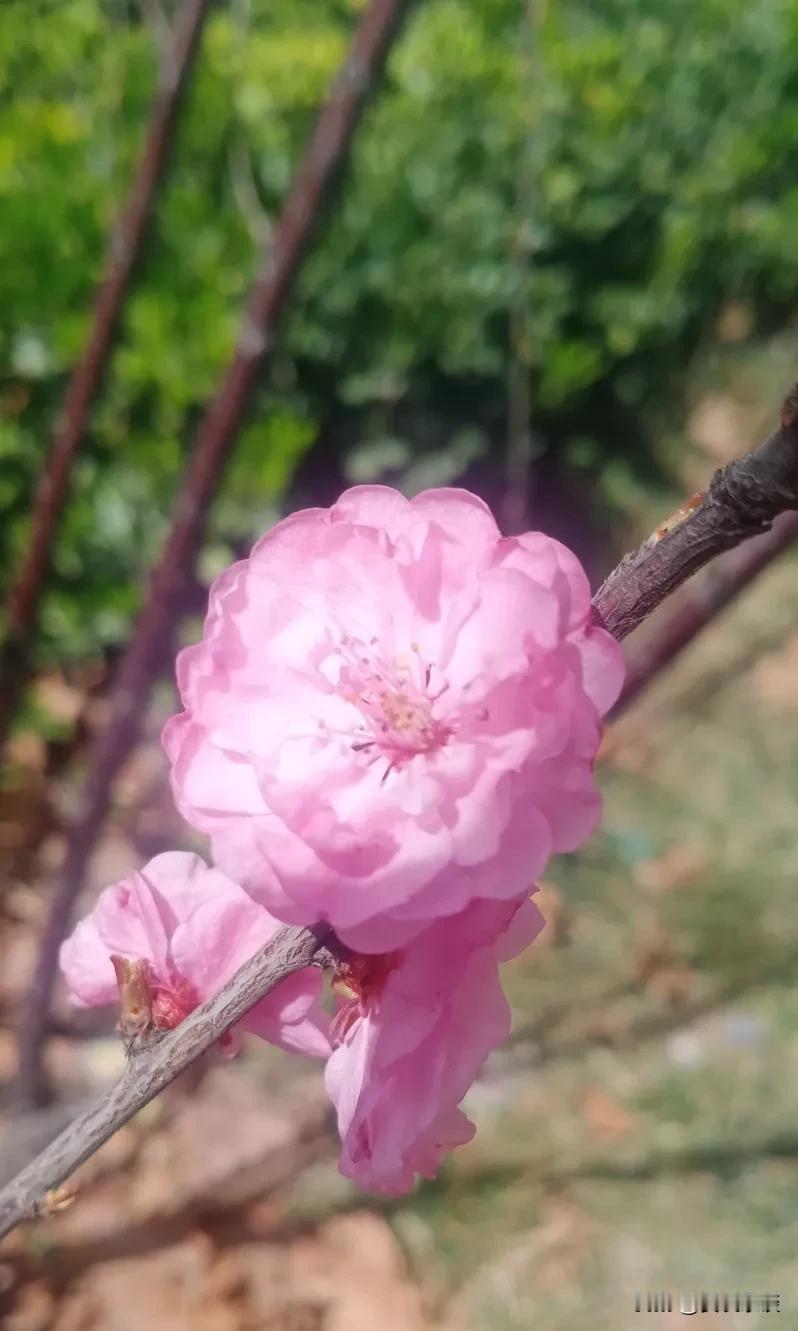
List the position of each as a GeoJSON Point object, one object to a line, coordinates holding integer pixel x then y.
{"type": "Point", "coordinates": [418, 1042]}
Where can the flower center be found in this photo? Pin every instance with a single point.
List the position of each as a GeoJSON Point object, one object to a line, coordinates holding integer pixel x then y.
{"type": "Point", "coordinates": [146, 999]}
{"type": "Point", "coordinates": [396, 701]}
{"type": "Point", "coordinates": [171, 1003]}
{"type": "Point", "coordinates": [359, 980]}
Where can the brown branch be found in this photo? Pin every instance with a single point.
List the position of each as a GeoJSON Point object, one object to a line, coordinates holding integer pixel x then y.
{"type": "Point", "coordinates": [283, 254]}
{"type": "Point", "coordinates": [124, 251]}
{"type": "Point", "coordinates": [713, 591]}
{"type": "Point", "coordinates": [743, 500]}
{"type": "Point", "coordinates": [520, 438]}
{"type": "Point", "coordinates": [148, 1072]}
{"type": "Point", "coordinates": [766, 480]}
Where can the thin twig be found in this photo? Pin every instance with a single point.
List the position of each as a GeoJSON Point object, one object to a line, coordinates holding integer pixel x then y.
{"type": "Point", "coordinates": [520, 442]}
{"type": "Point", "coordinates": [124, 251]}
{"type": "Point", "coordinates": [743, 500]}
{"type": "Point", "coordinates": [154, 16]}
{"type": "Point", "coordinates": [148, 1072]}
{"type": "Point", "coordinates": [716, 588]}
{"type": "Point", "coordinates": [245, 192]}
{"type": "Point", "coordinates": [150, 647]}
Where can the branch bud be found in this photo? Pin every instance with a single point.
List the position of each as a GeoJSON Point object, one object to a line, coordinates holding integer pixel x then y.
{"type": "Point", "coordinates": [135, 998]}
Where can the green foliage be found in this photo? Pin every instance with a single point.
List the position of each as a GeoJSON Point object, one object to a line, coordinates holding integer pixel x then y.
{"type": "Point", "coordinates": [612, 170]}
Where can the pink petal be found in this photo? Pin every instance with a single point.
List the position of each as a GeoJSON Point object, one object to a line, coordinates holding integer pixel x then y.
{"type": "Point", "coordinates": [129, 923]}
{"type": "Point", "coordinates": [220, 934]}
{"type": "Point", "coordinates": [373, 506]}
{"type": "Point", "coordinates": [291, 1016]}
{"type": "Point", "coordinates": [86, 966]}
{"type": "Point", "coordinates": [462, 515]}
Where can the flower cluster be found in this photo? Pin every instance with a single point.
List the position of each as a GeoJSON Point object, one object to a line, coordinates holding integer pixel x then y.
{"type": "Point", "coordinates": [390, 724]}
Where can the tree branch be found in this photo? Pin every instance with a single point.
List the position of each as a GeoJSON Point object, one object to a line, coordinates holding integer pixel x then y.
{"type": "Point", "coordinates": [151, 1069]}
{"type": "Point", "coordinates": [716, 588]}
{"type": "Point", "coordinates": [743, 499]}
{"type": "Point", "coordinates": [124, 251]}
{"type": "Point", "coordinates": [283, 253]}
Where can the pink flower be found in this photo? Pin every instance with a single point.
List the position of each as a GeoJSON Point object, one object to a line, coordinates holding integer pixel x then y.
{"type": "Point", "coordinates": [193, 928]}
{"type": "Point", "coordinates": [393, 711]}
{"type": "Point", "coordinates": [413, 1039]}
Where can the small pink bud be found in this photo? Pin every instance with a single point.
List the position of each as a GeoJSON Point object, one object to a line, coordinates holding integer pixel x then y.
{"type": "Point", "coordinates": [171, 1006]}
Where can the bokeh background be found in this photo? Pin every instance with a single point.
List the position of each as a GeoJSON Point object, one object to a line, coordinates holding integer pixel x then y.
{"type": "Point", "coordinates": [562, 270]}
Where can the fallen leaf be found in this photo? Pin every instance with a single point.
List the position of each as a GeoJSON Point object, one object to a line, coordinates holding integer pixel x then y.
{"type": "Point", "coordinates": [653, 951]}
{"type": "Point", "coordinates": [676, 868]}
{"type": "Point", "coordinates": [775, 677]}
{"type": "Point", "coordinates": [673, 984]}
{"type": "Point", "coordinates": [605, 1116]}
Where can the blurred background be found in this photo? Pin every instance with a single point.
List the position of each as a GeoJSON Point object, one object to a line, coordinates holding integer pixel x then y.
{"type": "Point", "coordinates": [561, 269]}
